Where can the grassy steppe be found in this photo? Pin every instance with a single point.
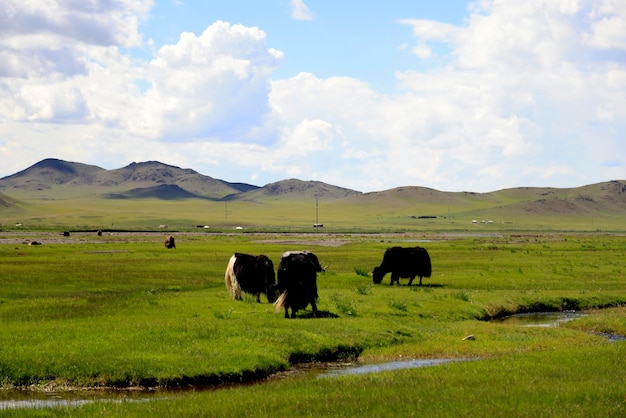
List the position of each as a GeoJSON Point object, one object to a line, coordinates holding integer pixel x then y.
{"type": "Point", "coordinates": [121, 310]}
{"type": "Point", "coordinates": [381, 212]}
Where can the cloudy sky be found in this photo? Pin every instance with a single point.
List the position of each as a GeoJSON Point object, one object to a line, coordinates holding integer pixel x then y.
{"type": "Point", "coordinates": [453, 95]}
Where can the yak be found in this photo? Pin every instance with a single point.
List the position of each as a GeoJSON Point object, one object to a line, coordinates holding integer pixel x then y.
{"type": "Point", "coordinates": [403, 262]}
{"type": "Point", "coordinates": [252, 274]}
{"type": "Point", "coordinates": [297, 282]}
{"type": "Point", "coordinates": [170, 242]}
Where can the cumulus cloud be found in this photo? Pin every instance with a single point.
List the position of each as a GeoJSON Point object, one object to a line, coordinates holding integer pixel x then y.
{"type": "Point", "coordinates": [528, 83]}
{"type": "Point", "coordinates": [38, 38]}
{"type": "Point", "coordinates": [300, 11]}
{"type": "Point", "coordinates": [522, 94]}
{"type": "Point", "coordinates": [214, 85]}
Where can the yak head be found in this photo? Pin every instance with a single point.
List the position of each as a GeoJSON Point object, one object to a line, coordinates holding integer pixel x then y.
{"type": "Point", "coordinates": [377, 275]}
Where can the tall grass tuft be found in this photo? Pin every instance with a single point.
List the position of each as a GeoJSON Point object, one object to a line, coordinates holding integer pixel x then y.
{"type": "Point", "coordinates": [398, 305]}
{"type": "Point", "coordinates": [461, 295]}
{"type": "Point", "coordinates": [364, 290]}
{"type": "Point", "coordinates": [343, 305]}
{"type": "Point", "coordinates": [360, 271]}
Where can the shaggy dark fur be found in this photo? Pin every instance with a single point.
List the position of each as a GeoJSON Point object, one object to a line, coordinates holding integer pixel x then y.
{"type": "Point", "coordinates": [403, 262]}
{"type": "Point", "coordinates": [297, 282]}
{"type": "Point", "coordinates": [251, 274]}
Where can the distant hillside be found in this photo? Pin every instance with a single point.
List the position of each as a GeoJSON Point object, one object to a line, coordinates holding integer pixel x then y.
{"type": "Point", "coordinates": [163, 191]}
{"type": "Point", "coordinates": [416, 195]}
{"type": "Point", "coordinates": [608, 197]}
{"type": "Point", "coordinates": [54, 182]}
{"type": "Point", "coordinates": [295, 189]}
{"type": "Point", "coordinates": [597, 200]}
{"type": "Point", "coordinates": [52, 178]}
{"type": "Point", "coordinates": [50, 173]}
{"type": "Point", "coordinates": [6, 201]}
{"type": "Point", "coordinates": [152, 173]}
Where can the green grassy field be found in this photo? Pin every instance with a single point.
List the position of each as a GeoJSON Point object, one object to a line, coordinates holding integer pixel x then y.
{"type": "Point", "coordinates": [120, 310]}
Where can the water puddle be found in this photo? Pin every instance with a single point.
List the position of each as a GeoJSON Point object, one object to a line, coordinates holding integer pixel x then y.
{"type": "Point", "coordinates": [541, 319]}
{"type": "Point", "coordinates": [387, 366]}
{"type": "Point", "coordinates": [20, 399]}
{"type": "Point", "coordinates": [609, 336]}
{"type": "Point", "coordinates": [553, 319]}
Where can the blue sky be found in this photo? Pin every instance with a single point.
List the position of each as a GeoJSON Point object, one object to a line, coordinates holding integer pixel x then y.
{"type": "Point", "coordinates": [339, 38]}
{"type": "Point", "coordinates": [453, 95]}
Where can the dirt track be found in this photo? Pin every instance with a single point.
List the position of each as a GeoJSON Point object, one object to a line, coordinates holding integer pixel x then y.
{"type": "Point", "coordinates": [26, 237]}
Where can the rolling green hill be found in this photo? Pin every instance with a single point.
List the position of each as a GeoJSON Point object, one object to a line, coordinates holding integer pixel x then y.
{"type": "Point", "coordinates": [55, 193]}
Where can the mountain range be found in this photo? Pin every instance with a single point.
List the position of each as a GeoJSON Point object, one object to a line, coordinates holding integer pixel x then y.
{"type": "Point", "coordinates": [146, 179]}
{"type": "Point", "coordinates": [150, 179]}
{"type": "Point", "coordinates": [57, 179]}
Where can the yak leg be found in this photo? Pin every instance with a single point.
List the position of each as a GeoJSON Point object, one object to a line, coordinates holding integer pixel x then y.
{"type": "Point", "coordinates": [411, 280]}
{"type": "Point", "coordinates": [258, 297]}
{"type": "Point", "coordinates": [420, 280]}
{"type": "Point", "coordinates": [293, 310]}
{"type": "Point", "coordinates": [394, 278]}
{"type": "Point", "coordinates": [314, 308]}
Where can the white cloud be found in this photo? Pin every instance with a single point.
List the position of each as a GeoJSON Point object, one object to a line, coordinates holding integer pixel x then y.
{"type": "Point", "coordinates": [212, 85]}
{"type": "Point", "coordinates": [300, 11]}
{"type": "Point", "coordinates": [608, 26]}
{"type": "Point", "coordinates": [431, 30]}
{"type": "Point", "coordinates": [422, 50]}
{"type": "Point", "coordinates": [42, 37]}
{"type": "Point", "coordinates": [524, 84]}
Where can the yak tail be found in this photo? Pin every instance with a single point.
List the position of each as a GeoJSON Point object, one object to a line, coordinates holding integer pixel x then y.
{"type": "Point", "coordinates": [236, 289]}
{"type": "Point", "coordinates": [232, 284]}
{"type": "Point", "coordinates": [280, 302]}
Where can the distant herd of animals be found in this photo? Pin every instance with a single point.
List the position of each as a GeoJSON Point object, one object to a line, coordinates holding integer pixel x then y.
{"type": "Point", "coordinates": [296, 284]}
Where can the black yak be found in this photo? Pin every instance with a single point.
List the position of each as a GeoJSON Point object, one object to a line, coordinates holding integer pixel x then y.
{"type": "Point", "coordinates": [403, 262]}
{"type": "Point", "coordinates": [297, 282]}
{"type": "Point", "coordinates": [251, 274]}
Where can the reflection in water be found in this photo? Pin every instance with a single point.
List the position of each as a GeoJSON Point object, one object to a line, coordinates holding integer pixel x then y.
{"type": "Point", "coordinates": [541, 319]}
{"type": "Point", "coordinates": [553, 319]}
{"type": "Point", "coordinates": [610, 337]}
{"type": "Point", "coordinates": [383, 367]}
{"type": "Point", "coordinates": [41, 403]}
{"type": "Point", "coordinates": [19, 399]}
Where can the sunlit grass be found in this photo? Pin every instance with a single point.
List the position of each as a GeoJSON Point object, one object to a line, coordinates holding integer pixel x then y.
{"type": "Point", "coordinates": [122, 310]}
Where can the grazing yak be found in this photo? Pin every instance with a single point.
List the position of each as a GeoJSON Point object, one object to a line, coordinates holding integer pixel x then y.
{"type": "Point", "coordinates": [251, 274]}
{"type": "Point", "coordinates": [170, 242]}
{"type": "Point", "coordinates": [403, 262]}
{"type": "Point", "coordinates": [297, 282]}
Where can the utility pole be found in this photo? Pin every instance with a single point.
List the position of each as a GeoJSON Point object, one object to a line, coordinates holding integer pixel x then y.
{"type": "Point", "coordinates": [317, 223]}
{"type": "Point", "coordinates": [317, 207]}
